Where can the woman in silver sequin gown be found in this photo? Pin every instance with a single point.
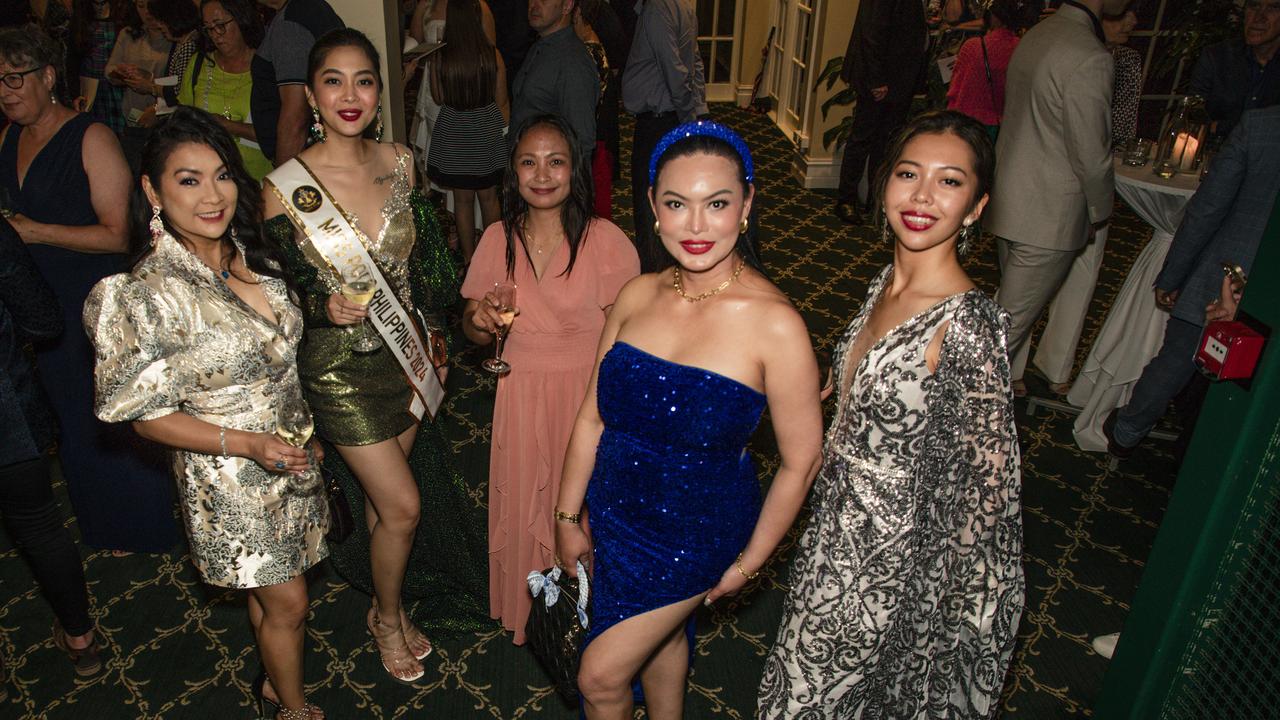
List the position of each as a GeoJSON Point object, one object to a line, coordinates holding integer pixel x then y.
{"type": "Point", "coordinates": [907, 585]}
{"type": "Point", "coordinates": [196, 346]}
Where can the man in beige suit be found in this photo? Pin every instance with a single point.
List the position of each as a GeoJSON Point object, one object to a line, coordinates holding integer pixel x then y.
{"type": "Point", "coordinates": [1054, 181]}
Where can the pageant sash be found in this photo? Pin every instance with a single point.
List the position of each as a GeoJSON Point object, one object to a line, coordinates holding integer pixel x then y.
{"type": "Point", "coordinates": [314, 211]}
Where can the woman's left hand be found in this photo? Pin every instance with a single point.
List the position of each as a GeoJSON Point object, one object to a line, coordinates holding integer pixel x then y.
{"type": "Point", "coordinates": [730, 583]}
{"type": "Point", "coordinates": [22, 225]}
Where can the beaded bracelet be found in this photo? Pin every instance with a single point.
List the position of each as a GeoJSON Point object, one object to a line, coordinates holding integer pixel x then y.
{"type": "Point", "coordinates": [222, 440]}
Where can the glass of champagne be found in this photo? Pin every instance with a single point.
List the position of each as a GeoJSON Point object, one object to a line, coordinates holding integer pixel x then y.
{"type": "Point", "coordinates": [293, 420]}
{"type": "Point", "coordinates": [358, 287]}
{"type": "Point", "coordinates": [505, 292]}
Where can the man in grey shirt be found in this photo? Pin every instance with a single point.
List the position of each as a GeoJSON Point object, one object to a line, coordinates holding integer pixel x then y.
{"type": "Point", "coordinates": [558, 76]}
{"type": "Point", "coordinates": [663, 87]}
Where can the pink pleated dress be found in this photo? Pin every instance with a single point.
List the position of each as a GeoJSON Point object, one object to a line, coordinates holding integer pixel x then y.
{"type": "Point", "coordinates": [551, 349]}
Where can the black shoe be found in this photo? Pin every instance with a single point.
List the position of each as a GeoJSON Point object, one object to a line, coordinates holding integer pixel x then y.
{"type": "Point", "coordinates": [1108, 429]}
{"type": "Point", "coordinates": [848, 212]}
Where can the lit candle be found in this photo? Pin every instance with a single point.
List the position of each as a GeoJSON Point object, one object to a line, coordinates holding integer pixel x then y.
{"type": "Point", "coordinates": [1184, 151]}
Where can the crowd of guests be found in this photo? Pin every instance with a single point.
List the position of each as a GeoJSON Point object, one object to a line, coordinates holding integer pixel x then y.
{"type": "Point", "coordinates": [214, 205]}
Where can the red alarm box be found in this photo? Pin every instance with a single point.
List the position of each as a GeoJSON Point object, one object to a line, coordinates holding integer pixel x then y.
{"type": "Point", "coordinates": [1229, 350]}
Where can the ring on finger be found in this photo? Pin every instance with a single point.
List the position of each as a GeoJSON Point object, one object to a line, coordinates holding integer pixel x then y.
{"type": "Point", "coordinates": [280, 464]}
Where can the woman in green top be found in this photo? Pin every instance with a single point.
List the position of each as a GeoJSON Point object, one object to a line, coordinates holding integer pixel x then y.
{"type": "Point", "coordinates": [217, 78]}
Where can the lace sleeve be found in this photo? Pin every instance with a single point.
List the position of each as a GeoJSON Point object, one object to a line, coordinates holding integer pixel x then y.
{"type": "Point", "coordinates": [981, 511]}
{"type": "Point", "coordinates": [309, 293]}
{"type": "Point", "coordinates": [433, 273]}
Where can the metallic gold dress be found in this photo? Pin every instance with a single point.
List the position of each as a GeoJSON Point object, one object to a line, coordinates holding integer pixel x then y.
{"type": "Point", "coordinates": [907, 585]}
{"type": "Point", "coordinates": [171, 336]}
{"type": "Point", "coordinates": [360, 399]}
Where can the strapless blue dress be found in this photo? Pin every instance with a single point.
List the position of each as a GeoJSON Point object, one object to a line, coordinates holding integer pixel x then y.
{"type": "Point", "coordinates": [674, 497]}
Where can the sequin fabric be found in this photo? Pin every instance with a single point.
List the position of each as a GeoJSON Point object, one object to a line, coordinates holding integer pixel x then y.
{"type": "Point", "coordinates": [360, 399]}
{"type": "Point", "coordinates": [171, 336]}
{"type": "Point", "coordinates": [907, 585]}
{"type": "Point", "coordinates": [674, 496]}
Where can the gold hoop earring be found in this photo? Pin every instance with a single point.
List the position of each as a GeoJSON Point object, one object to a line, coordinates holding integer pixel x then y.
{"type": "Point", "coordinates": [657, 230]}
{"type": "Point", "coordinates": [317, 128]}
{"type": "Point", "coordinates": [742, 226]}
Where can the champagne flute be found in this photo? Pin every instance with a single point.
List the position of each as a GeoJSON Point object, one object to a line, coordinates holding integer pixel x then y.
{"type": "Point", "coordinates": [358, 287]}
{"type": "Point", "coordinates": [505, 292]}
{"type": "Point", "coordinates": [6, 203]}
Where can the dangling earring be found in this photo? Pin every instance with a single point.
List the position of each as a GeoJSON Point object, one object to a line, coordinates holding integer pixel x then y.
{"type": "Point", "coordinates": [156, 226]}
{"type": "Point", "coordinates": [317, 129]}
{"type": "Point", "coordinates": [656, 230]}
{"type": "Point", "coordinates": [966, 234]}
{"type": "Point", "coordinates": [377, 132]}
{"type": "Point", "coordinates": [742, 227]}
{"type": "Point", "coordinates": [884, 224]}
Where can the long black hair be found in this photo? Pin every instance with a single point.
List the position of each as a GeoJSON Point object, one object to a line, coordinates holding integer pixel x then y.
{"type": "Point", "coordinates": [180, 17]}
{"type": "Point", "coordinates": [192, 125]}
{"type": "Point", "coordinates": [942, 122]}
{"type": "Point", "coordinates": [748, 242]}
{"type": "Point", "coordinates": [466, 68]}
{"type": "Point", "coordinates": [576, 212]}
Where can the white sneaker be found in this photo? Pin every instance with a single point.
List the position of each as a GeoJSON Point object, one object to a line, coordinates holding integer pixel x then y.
{"type": "Point", "coordinates": [1105, 645]}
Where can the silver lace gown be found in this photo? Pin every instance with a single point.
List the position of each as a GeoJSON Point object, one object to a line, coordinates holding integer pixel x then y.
{"type": "Point", "coordinates": [907, 584]}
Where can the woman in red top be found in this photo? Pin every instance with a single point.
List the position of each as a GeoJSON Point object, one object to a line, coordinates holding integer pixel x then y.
{"type": "Point", "coordinates": [977, 81]}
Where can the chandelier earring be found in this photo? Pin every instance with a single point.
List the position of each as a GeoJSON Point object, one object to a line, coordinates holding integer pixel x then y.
{"type": "Point", "coordinates": [966, 236]}
{"type": "Point", "coordinates": [377, 132]}
{"type": "Point", "coordinates": [156, 226]}
{"type": "Point", "coordinates": [885, 234]}
{"type": "Point", "coordinates": [317, 128]}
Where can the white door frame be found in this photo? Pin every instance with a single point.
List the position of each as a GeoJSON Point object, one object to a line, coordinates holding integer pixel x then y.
{"type": "Point", "coordinates": [722, 91]}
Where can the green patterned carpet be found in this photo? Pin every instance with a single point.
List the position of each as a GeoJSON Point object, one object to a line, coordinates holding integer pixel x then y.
{"type": "Point", "coordinates": [179, 649]}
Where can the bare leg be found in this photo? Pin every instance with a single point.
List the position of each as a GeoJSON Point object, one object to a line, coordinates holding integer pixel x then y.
{"type": "Point", "coordinates": [464, 219]}
{"type": "Point", "coordinates": [490, 207]}
{"type": "Point", "coordinates": [392, 495]}
{"type": "Point", "coordinates": [278, 614]}
{"type": "Point", "coordinates": [643, 642]}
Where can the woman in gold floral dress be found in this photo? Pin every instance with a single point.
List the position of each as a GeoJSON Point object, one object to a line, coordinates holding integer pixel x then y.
{"type": "Point", "coordinates": [196, 347]}
{"type": "Point", "coordinates": [365, 403]}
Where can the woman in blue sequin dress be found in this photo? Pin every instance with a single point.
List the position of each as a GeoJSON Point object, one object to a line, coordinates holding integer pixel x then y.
{"type": "Point", "coordinates": [907, 584]}
{"type": "Point", "coordinates": [689, 359]}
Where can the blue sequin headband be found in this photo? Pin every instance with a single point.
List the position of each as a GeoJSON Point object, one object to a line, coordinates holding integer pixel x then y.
{"type": "Point", "coordinates": [709, 129]}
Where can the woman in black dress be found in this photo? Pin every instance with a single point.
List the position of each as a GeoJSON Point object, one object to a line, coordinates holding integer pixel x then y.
{"type": "Point", "coordinates": [67, 186]}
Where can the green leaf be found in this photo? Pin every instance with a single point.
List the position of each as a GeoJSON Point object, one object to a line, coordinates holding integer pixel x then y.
{"type": "Point", "coordinates": [836, 136]}
{"type": "Point", "coordinates": [830, 73]}
{"type": "Point", "coordinates": [844, 97]}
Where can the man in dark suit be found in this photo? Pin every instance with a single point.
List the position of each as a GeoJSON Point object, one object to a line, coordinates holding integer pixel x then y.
{"type": "Point", "coordinates": [886, 56]}
{"type": "Point", "coordinates": [1224, 223]}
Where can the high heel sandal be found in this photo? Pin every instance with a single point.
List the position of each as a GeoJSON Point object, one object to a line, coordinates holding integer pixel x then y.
{"type": "Point", "coordinates": [278, 711]}
{"type": "Point", "coordinates": [399, 656]}
{"type": "Point", "coordinates": [86, 660]}
{"type": "Point", "coordinates": [412, 634]}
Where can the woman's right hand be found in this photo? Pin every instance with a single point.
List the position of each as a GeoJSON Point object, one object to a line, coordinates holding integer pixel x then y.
{"type": "Point", "coordinates": [268, 451]}
{"type": "Point", "coordinates": [486, 316]}
{"type": "Point", "coordinates": [572, 544]}
{"type": "Point", "coordinates": [342, 311]}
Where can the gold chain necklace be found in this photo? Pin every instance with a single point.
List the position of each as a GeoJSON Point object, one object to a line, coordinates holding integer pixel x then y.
{"type": "Point", "coordinates": [716, 291]}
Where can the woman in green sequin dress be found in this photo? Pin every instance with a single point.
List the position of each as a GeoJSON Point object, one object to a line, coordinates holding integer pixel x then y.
{"type": "Point", "coordinates": [361, 401]}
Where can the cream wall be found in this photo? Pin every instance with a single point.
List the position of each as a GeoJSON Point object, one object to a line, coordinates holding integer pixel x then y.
{"type": "Point", "coordinates": [816, 166]}
{"type": "Point", "coordinates": [379, 19]}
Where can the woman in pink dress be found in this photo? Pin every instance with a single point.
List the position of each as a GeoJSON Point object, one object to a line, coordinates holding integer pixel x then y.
{"type": "Point", "coordinates": [568, 267]}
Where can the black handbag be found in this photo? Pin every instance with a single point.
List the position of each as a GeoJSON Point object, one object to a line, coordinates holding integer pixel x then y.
{"type": "Point", "coordinates": [557, 624]}
{"type": "Point", "coordinates": [341, 523]}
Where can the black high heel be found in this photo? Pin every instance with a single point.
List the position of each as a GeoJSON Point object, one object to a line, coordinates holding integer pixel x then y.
{"type": "Point", "coordinates": [263, 701]}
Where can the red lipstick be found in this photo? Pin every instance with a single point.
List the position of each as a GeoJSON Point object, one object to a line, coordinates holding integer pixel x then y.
{"type": "Point", "coordinates": [696, 247]}
{"type": "Point", "coordinates": [350, 115]}
{"type": "Point", "coordinates": [917, 222]}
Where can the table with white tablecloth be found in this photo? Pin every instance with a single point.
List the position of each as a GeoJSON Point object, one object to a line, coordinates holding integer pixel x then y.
{"type": "Point", "coordinates": [1134, 328]}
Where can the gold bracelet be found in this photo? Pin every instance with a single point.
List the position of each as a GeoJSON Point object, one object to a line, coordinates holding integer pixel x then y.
{"type": "Point", "coordinates": [574, 518]}
{"type": "Point", "coordinates": [738, 564]}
